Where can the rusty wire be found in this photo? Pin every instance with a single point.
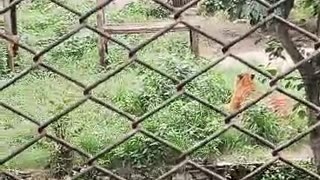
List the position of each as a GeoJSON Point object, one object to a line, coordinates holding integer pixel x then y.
{"type": "Point", "coordinates": [180, 91]}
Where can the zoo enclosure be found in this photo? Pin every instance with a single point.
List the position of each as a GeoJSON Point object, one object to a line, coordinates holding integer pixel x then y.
{"type": "Point", "coordinates": [180, 91]}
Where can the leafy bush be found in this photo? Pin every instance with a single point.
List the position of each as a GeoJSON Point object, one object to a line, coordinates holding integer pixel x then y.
{"type": "Point", "coordinates": [276, 171]}
{"type": "Point", "coordinates": [191, 121]}
{"type": "Point", "coordinates": [264, 123]}
{"type": "Point", "coordinates": [285, 172]}
{"type": "Point", "coordinates": [232, 7]}
{"type": "Point", "coordinates": [141, 10]}
{"type": "Point", "coordinates": [310, 4]}
{"type": "Point", "coordinates": [236, 9]}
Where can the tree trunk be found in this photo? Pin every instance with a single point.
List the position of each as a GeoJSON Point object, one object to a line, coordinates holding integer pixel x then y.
{"type": "Point", "coordinates": [307, 71]}
{"type": "Point", "coordinates": [312, 92]}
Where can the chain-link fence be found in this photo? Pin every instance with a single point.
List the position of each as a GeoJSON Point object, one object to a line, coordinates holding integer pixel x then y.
{"type": "Point", "coordinates": [136, 121]}
{"type": "Point", "coordinates": [178, 3]}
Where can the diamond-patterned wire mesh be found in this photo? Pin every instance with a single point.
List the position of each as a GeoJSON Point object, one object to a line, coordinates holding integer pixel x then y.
{"type": "Point", "coordinates": [136, 121]}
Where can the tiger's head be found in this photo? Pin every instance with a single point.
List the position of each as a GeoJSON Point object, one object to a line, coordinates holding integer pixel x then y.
{"type": "Point", "coordinates": [243, 88]}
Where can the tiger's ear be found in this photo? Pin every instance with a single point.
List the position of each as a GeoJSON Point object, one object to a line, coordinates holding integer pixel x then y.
{"type": "Point", "coordinates": [252, 76]}
{"type": "Point", "coordinates": [240, 76]}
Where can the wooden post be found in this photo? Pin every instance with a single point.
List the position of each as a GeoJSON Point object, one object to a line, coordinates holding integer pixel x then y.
{"type": "Point", "coordinates": [102, 45]}
{"type": "Point", "coordinates": [194, 42]}
{"type": "Point", "coordinates": [14, 29]}
{"type": "Point", "coordinates": [10, 23]}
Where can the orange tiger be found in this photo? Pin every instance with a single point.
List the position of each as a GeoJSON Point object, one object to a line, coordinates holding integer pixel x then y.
{"type": "Point", "coordinates": [245, 88]}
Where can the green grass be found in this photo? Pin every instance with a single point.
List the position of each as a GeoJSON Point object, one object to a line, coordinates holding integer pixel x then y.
{"type": "Point", "coordinates": [301, 11]}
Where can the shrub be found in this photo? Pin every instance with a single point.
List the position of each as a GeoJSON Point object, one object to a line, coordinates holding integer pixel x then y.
{"type": "Point", "coordinates": [286, 172]}
{"type": "Point", "coordinates": [261, 121]}
{"type": "Point", "coordinates": [183, 122]}
{"type": "Point", "coordinates": [141, 10]}
{"type": "Point", "coordinates": [233, 7]}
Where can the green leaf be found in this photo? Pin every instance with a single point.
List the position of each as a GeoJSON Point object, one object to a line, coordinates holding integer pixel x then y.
{"type": "Point", "coordinates": [300, 86]}
{"type": "Point", "coordinates": [288, 84]}
{"type": "Point", "coordinates": [273, 72]}
{"type": "Point", "coordinates": [302, 114]}
{"type": "Point", "coordinates": [296, 106]}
